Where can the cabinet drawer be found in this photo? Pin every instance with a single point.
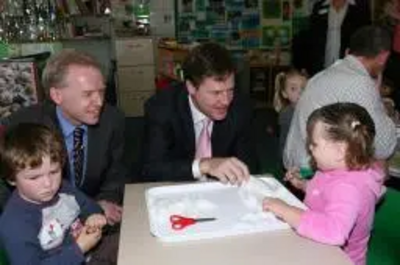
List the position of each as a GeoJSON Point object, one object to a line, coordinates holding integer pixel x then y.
{"type": "Point", "coordinates": [136, 78]}
{"type": "Point", "coordinates": [134, 51]}
{"type": "Point", "coordinates": [132, 103]}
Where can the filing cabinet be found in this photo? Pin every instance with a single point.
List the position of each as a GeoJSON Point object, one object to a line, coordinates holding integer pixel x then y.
{"type": "Point", "coordinates": [135, 73]}
{"type": "Point", "coordinates": [131, 102]}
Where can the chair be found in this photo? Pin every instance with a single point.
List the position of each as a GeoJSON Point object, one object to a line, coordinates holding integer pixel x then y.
{"type": "Point", "coordinates": [385, 235]}
{"type": "Point", "coordinates": [264, 133]}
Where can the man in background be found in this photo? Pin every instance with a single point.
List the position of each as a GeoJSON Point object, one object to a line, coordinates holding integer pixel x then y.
{"type": "Point", "coordinates": [332, 22]}
{"type": "Point", "coordinates": [353, 79]}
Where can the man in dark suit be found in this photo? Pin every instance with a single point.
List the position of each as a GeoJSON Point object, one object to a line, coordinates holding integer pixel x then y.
{"type": "Point", "coordinates": [332, 23]}
{"type": "Point", "coordinates": [203, 114]}
{"type": "Point", "coordinates": [93, 131]}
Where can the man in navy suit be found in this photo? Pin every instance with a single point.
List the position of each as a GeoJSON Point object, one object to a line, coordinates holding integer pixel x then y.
{"type": "Point", "coordinates": [75, 86]}
{"type": "Point", "coordinates": [332, 23]}
{"type": "Point", "coordinates": [177, 118]}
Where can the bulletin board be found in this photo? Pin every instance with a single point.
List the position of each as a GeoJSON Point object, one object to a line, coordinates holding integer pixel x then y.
{"type": "Point", "coordinates": [18, 86]}
{"type": "Point", "coordinates": [239, 24]}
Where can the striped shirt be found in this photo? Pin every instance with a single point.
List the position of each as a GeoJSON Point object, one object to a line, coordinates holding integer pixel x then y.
{"type": "Point", "coordinates": [345, 81]}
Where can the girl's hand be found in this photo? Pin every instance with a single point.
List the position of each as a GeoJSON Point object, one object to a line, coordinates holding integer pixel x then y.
{"type": "Point", "coordinates": [95, 222]}
{"type": "Point", "coordinates": [283, 211]}
{"type": "Point", "coordinates": [274, 205]}
{"type": "Point", "coordinates": [294, 177]}
{"type": "Point", "coordinates": [88, 238]}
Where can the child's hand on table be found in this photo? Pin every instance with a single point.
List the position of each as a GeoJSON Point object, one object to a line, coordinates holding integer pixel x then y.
{"type": "Point", "coordinates": [274, 205]}
{"type": "Point", "coordinates": [282, 210]}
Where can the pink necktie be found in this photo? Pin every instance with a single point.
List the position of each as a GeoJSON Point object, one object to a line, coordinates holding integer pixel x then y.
{"type": "Point", "coordinates": [204, 142]}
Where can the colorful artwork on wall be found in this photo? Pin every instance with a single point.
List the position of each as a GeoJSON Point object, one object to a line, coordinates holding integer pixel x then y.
{"type": "Point", "coordinates": [239, 24]}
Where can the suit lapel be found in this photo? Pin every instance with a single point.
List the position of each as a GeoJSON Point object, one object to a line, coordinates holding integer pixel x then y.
{"type": "Point", "coordinates": [219, 136]}
{"type": "Point", "coordinates": [92, 152]}
{"type": "Point", "coordinates": [187, 122]}
{"type": "Point", "coordinates": [51, 109]}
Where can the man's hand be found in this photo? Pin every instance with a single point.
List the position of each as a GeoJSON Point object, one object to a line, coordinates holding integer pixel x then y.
{"type": "Point", "coordinates": [112, 211]}
{"type": "Point", "coordinates": [88, 238]}
{"type": "Point", "coordinates": [227, 170]}
{"type": "Point", "coordinates": [95, 222]}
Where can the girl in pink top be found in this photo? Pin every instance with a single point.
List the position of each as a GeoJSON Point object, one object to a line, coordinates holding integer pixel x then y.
{"type": "Point", "coordinates": [342, 195]}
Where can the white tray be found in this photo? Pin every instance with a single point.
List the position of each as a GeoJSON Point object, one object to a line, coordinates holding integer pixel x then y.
{"type": "Point", "coordinates": [234, 215]}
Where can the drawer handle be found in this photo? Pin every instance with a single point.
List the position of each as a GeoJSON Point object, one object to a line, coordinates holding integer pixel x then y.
{"type": "Point", "coordinates": [134, 46]}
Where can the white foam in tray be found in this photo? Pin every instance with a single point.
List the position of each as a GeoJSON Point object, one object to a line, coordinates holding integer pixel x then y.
{"type": "Point", "coordinates": [237, 209]}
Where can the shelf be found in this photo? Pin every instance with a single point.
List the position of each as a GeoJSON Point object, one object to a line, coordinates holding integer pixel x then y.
{"type": "Point", "coordinates": [31, 41]}
{"type": "Point", "coordinates": [86, 38]}
{"type": "Point", "coordinates": [61, 40]}
{"type": "Point", "coordinates": [87, 16]}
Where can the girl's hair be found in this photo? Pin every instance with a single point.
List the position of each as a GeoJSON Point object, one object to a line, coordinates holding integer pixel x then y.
{"type": "Point", "coordinates": [280, 81]}
{"type": "Point", "coordinates": [351, 124]}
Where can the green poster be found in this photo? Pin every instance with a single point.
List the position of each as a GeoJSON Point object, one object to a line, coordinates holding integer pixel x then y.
{"type": "Point", "coordinates": [200, 5]}
{"type": "Point", "coordinates": [276, 36]}
{"type": "Point", "coordinates": [272, 9]}
{"type": "Point", "coordinates": [3, 50]}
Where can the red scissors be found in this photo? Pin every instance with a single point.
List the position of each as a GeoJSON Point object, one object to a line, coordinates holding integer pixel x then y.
{"type": "Point", "coordinates": [179, 222]}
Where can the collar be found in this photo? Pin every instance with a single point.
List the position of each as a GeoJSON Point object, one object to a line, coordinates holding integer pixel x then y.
{"type": "Point", "coordinates": [356, 63]}
{"type": "Point", "coordinates": [197, 115]}
{"type": "Point", "coordinates": [67, 127]}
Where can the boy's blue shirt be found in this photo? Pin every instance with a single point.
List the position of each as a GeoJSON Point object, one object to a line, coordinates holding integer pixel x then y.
{"type": "Point", "coordinates": [43, 233]}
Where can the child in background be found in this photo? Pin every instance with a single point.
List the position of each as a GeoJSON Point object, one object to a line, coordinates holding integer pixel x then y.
{"type": "Point", "coordinates": [288, 88]}
{"type": "Point", "coordinates": [46, 220]}
{"type": "Point", "coordinates": [386, 90]}
{"type": "Point", "coordinates": [342, 195]}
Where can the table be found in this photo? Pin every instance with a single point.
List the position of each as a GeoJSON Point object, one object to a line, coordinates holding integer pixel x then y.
{"type": "Point", "coordinates": [138, 246]}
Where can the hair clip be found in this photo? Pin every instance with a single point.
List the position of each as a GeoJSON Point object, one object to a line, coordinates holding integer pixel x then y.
{"type": "Point", "coordinates": [354, 124]}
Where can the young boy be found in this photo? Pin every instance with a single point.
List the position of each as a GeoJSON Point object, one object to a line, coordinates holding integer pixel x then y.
{"type": "Point", "coordinates": [46, 220]}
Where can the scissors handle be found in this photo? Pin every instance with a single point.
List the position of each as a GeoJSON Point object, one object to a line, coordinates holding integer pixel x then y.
{"type": "Point", "coordinates": [179, 222]}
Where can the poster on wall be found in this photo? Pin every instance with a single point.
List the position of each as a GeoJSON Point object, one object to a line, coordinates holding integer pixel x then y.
{"type": "Point", "coordinates": [238, 24]}
{"type": "Point", "coordinates": [200, 5]}
{"type": "Point", "coordinates": [187, 6]}
{"type": "Point", "coordinates": [250, 30]}
{"type": "Point", "coordinates": [17, 86]}
{"type": "Point", "coordinates": [251, 4]}
{"type": "Point", "coordinates": [276, 36]}
{"type": "Point", "coordinates": [300, 8]}
{"type": "Point", "coordinates": [271, 9]}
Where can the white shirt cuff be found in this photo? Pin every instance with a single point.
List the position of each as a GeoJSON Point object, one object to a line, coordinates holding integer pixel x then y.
{"type": "Point", "coordinates": [196, 171]}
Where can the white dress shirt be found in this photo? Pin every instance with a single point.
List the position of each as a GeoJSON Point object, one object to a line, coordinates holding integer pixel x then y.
{"type": "Point", "coordinates": [347, 80]}
{"type": "Point", "coordinates": [333, 38]}
{"type": "Point", "coordinates": [198, 118]}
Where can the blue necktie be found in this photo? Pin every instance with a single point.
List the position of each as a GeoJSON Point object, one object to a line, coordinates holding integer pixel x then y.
{"type": "Point", "coordinates": [78, 155]}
